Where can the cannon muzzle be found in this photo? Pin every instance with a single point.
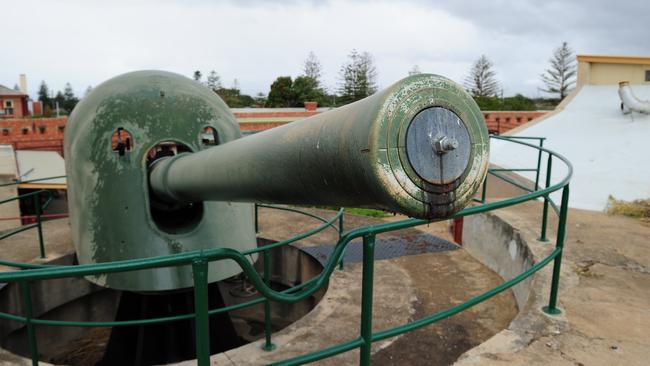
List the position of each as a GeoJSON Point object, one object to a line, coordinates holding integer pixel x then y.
{"type": "Point", "coordinates": [419, 147]}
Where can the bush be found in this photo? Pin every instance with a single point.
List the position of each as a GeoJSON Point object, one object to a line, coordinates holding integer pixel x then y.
{"type": "Point", "coordinates": [636, 208]}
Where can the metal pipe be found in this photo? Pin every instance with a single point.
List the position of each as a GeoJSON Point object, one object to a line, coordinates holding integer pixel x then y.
{"type": "Point", "coordinates": [631, 101]}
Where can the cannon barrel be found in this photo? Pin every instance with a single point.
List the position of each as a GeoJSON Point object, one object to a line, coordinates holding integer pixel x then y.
{"type": "Point", "coordinates": [146, 179]}
{"type": "Point", "coordinates": [419, 147]}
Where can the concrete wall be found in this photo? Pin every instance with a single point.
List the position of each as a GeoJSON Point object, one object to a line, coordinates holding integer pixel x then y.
{"type": "Point", "coordinates": [610, 70]}
{"type": "Point", "coordinates": [609, 74]}
{"type": "Point", "coordinates": [497, 245]}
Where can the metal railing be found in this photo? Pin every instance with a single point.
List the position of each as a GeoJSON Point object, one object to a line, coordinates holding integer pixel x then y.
{"type": "Point", "coordinates": [199, 261]}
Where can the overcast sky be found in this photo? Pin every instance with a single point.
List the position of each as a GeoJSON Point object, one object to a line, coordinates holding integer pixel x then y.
{"type": "Point", "coordinates": [86, 42]}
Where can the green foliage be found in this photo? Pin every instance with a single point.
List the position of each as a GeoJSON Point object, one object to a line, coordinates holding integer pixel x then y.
{"type": "Point", "coordinates": [293, 93]}
{"type": "Point", "coordinates": [69, 99]}
{"type": "Point", "coordinates": [281, 94]}
{"type": "Point", "coordinates": [516, 103]}
{"type": "Point", "coordinates": [234, 99]}
{"type": "Point", "coordinates": [358, 77]}
{"type": "Point", "coordinates": [306, 89]}
{"type": "Point", "coordinates": [44, 93]}
{"type": "Point", "coordinates": [197, 75]}
{"type": "Point", "coordinates": [366, 212]}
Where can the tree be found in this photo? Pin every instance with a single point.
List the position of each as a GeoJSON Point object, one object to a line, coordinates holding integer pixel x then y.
{"type": "Point", "coordinates": [312, 68]}
{"type": "Point", "coordinates": [358, 77]}
{"type": "Point", "coordinates": [213, 81]}
{"type": "Point", "coordinates": [415, 70]}
{"type": "Point", "coordinates": [305, 89]}
{"type": "Point", "coordinates": [481, 80]}
{"type": "Point", "coordinates": [16, 87]}
{"type": "Point", "coordinates": [88, 90]}
{"type": "Point", "coordinates": [281, 94]}
{"type": "Point", "coordinates": [69, 99]}
{"type": "Point", "coordinates": [44, 94]}
{"type": "Point", "coordinates": [260, 99]}
{"type": "Point", "coordinates": [560, 77]}
{"type": "Point", "coordinates": [197, 76]}
{"type": "Point", "coordinates": [58, 100]}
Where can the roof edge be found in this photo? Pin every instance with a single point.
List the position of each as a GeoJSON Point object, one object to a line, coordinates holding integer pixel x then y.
{"type": "Point", "coordinates": [612, 59]}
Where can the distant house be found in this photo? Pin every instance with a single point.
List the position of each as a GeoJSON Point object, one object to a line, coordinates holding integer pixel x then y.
{"type": "Point", "coordinates": [13, 103]}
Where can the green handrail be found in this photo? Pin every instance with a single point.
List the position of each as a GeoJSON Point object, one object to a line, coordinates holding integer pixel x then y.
{"type": "Point", "coordinates": [199, 260]}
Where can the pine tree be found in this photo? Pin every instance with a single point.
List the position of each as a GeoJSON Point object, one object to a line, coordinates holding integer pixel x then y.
{"type": "Point", "coordinates": [44, 94]}
{"type": "Point", "coordinates": [560, 77]}
{"type": "Point", "coordinates": [481, 81]}
{"type": "Point", "coordinates": [213, 81]}
{"type": "Point", "coordinates": [69, 99]}
{"type": "Point", "coordinates": [312, 68]}
{"type": "Point", "coordinates": [358, 77]}
{"type": "Point", "coordinates": [415, 70]}
{"type": "Point", "coordinates": [197, 76]}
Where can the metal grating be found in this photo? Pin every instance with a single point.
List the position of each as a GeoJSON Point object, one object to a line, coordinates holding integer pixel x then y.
{"type": "Point", "coordinates": [386, 248]}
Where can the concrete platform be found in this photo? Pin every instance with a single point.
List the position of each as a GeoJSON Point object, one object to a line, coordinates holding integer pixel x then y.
{"type": "Point", "coordinates": [406, 288]}
{"type": "Point", "coordinates": [604, 293]}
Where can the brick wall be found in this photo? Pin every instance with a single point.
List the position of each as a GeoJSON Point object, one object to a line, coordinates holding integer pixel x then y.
{"type": "Point", "coordinates": [47, 133]}
{"type": "Point", "coordinates": [33, 134]}
{"type": "Point", "coordinates": [502, 121]}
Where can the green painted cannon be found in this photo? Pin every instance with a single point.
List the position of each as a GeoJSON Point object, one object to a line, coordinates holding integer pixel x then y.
{"type": "Point", "coordinates": [156, 166]}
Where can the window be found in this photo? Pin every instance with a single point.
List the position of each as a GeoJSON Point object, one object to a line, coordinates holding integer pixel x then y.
{"type": "Point", "coordinates": [647, 75]}
{"type": "Point", "coordinates": [9, 107]}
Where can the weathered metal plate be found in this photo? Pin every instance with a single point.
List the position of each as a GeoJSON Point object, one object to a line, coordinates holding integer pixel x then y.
{"type": "Point", "coordinates": [438, 145]}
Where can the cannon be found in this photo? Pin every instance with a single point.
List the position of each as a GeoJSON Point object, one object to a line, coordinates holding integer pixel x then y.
{"type": "Point", "coordinates": [157, 165]}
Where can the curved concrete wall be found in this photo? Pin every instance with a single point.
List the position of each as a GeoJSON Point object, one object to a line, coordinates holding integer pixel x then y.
{"type": "Point", "coordinates": [496, 244]}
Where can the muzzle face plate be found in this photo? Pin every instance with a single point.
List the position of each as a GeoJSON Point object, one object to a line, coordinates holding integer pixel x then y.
{"type": "Point", "coordinates": [438, 145]}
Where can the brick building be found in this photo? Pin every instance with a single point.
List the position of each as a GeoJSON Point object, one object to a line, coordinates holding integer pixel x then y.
{"type": "Point", "coordinates": [13, 103]}
{"type": "Point", "coordinates": [47, 133]}
{"type": "Point", "coordinates": [499, 122]}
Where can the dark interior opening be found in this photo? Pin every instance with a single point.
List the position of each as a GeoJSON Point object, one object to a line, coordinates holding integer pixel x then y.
{"type": "Point", "coordinates": [172, 217]}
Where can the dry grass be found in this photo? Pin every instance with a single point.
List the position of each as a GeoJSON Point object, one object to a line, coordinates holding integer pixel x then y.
{"type": "Point", "coordinates": [637, 208]}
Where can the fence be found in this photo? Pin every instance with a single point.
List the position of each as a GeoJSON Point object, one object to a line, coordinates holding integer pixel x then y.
{"type": "Point", "coordinates": [199, 261]}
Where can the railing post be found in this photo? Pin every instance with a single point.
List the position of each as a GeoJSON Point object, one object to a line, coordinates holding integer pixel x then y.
{"type": "Point", "coordinates": [268, 345]}
{"type": "Point", "coordinates": [29, 314]}
{"type": "Point", "coordinates": [257, 222]}
{"type": "Point", "coordinates": [366, 298]}
{"type": "Point", "coordinates": [39, 227]}
{"type": "Point", "coordinates": [201, 320]}
{"type": "Point", "coordinates": [539, 162]}
{"type": "Point", "coordinates": [484, 190]}
{"type": "Point", "coordinates": [549, 167]}
{"type": "Point", "coordinates": [561, 235]}
{"type": "Point", "coordinates": [341, 264]}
